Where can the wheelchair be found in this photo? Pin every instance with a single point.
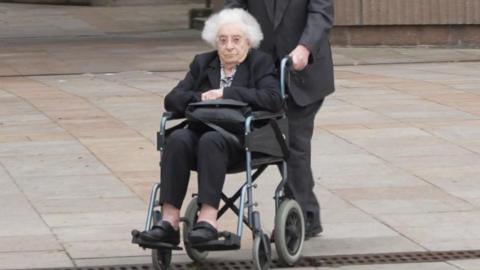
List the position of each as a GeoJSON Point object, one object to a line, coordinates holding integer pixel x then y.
{"type": "Point", "coordinates": [289, 224]}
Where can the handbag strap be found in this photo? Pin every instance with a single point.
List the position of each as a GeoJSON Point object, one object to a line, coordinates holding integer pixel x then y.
{"type": "Point", "coordinates": [221, 130]}
{"type": "Point", "coordinates": [181, 125]}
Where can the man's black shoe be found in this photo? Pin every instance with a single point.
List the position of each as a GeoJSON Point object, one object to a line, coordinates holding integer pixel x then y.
{"type": "Point", "coordinates": [162, 232]}
{"type": "Point", "coordinates": [312, 232]}
{"type": "Point", "coordinates": [309, 233]}
{"type": "Point", "coordinates": [313, 226]}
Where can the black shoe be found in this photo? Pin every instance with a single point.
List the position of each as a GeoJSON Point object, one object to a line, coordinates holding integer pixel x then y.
{"type": "Point", "coordinates": [312, 231]}
{"type": "Point", "coordinates": [162, 232]}
{"type": "Point", "coordinates": [202, 232]}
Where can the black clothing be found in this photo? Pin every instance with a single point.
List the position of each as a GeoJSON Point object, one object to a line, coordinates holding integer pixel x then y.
{"type": "Point", "coordinates": [204, 150]}
{"type": "Point", "coordinates": [210, 153]}
{"type": "Point", "coordinates": [286, 24]}
{"type": "Point", "coordinates": [300, 178]}
{"type": "Point", "coordinates": [254, 83]}
{"type": "Point", "coordinates": [293, 22]}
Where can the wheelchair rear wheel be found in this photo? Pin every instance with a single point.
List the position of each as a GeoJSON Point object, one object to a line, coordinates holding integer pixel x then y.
{"type": "Point", "coordinates": [289, 232]}
{"type": "Point", "coordinates": [191, 214]}
{"type": "Point", "coordinates": [161, 259]}
{"type": "Point", "coordinates": [262, 255]}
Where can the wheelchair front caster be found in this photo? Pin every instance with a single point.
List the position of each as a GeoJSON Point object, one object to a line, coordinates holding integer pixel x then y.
{"type": "Point", "coordinates": [161, 258]}
{"type": "Point", "coordinates": [191, 215]}
{"type": "Point", "coordinates": [262, 254]}
{"type": "Point", "coordinates": [289, 232]}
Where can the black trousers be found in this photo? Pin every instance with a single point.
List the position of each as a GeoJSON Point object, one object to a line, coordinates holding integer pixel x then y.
{"type": "Point", "coordinates": [209, 153]}
{"type": "Point", "coordinates": [300, 178]}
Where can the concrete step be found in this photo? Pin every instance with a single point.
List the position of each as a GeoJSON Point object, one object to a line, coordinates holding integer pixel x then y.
{"type": "Point", "coordinates": [140, 2]}
{"type": "Point", "coordinates": [198, 16]}
{"type": "Point", "coordinates": [105, 2]}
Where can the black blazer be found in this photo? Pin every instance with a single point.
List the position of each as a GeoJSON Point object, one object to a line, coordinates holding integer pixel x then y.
{"type": "Point", "coordinates": [254, 83]}
{"type": "Point", "coordinates": [293, 22]}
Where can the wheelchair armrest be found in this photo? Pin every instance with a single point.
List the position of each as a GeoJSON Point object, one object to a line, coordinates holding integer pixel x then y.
{"type": "Point", "coordinates": [161, 134]}
{"type": "Point", "coordinates": [262, 115]}
{"type": "Point", "coordinates": [172, 115]}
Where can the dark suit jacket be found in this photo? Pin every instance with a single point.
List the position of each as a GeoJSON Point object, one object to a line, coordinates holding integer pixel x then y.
{"type": "Point", "coordinates": [306, 22]}
{"type": "Point", "coordinates": [254, 83]}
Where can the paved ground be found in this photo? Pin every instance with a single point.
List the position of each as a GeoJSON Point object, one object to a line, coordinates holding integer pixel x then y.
{"type": "Point", "coordinates": [396, 148]}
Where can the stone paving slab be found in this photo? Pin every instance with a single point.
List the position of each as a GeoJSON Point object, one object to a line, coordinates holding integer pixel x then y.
{"type": "Point", "coordinates": [103, 249]}
{"type": "Point", "coordinates": [95, 233]}
{"type": "Point", "coordinates": [326, 245]}
{"type": "Point", "coordinates": [73, 187]}
{"type": "Point", "coordinates": [35, 259]}
{"type": "Point", "coordinates": [92, 218]}
{"type": "Point", "coordinates": [41, 148]}
{"type": "Point", "coordinates": [84, 205]}
{"type": "Point", "coordinates": [397, 179]}
{"type": "Point", "coordinates": [54, 165]}
{"type": "Point", "coordinates": [466, 264]}
{"type": "Point", "coordinates": [50, 20]}
{"type": "Point", "coordinates": [112, 152]}
{"type": "Point", "coordinates": [21, 225]}
{"type": "Point", "coordinates": [29, 243]}
{"type": "Point", "coordinates": [451, 230]}
{"type": "Point", "coordinates": [423, 266]}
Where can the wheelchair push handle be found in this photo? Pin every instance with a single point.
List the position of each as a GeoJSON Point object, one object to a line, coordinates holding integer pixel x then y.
{"type": "Point", "coordinates": [284, 64]}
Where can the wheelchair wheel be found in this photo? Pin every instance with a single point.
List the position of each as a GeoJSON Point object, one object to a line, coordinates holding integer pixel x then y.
{"type": "Point", "coordinates": [161, 259]}
{"type": "Point", "coordinates": [262, 255]}
{"type": "Point", "coordinates": [191, 214]}
{"type": "Point", "coordinates": [289, 232]}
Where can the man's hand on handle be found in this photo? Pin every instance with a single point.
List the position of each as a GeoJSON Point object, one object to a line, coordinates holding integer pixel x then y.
{"type": "Point", "coordinates": [299, 57]}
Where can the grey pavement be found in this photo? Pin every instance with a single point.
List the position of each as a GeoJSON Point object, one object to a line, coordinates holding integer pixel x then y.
{"type": "Point", "coordinates": [396, 150]}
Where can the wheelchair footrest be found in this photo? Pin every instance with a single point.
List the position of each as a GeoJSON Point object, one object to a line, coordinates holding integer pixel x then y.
{"type": "Point", "coordinates": [227, 241]}
{"type": "Point", "coordinates": [136, 239]}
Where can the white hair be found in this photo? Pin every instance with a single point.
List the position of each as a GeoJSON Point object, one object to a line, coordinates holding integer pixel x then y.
{"type": "Point", "coordinates": [250, 26]}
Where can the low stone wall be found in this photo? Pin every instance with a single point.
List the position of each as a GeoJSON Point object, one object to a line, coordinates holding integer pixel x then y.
{"type": "Point", "coordinates": [407, 22]}
{"type": "Point", "coordinates": [373, 22]}
{"type": "Point", "coordinates": [138, 2]}
{"type": "Point", "coordinates": [404, 22]}
{"type": "Point", "coordinates": [103, 2]}
{"type": "Point", "coordinates": [50, 2]}
{"type": "Point", "coordinates": [407, 35]}
{"type": "Point", "coordinates": [406, 12]}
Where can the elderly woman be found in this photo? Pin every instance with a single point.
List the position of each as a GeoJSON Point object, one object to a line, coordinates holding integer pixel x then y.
{"type": "Point", "coordinates": [235, 70]}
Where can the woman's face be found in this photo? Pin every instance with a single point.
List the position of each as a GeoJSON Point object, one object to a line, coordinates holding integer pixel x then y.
{"type": "Point", "coordinates": [232, 44]}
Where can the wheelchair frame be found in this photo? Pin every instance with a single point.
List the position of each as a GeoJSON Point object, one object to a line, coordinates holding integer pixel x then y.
{"type": "Point", "coordinates": [245, 193]}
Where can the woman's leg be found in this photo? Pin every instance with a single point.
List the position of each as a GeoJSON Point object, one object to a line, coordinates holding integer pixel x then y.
{"type": "Point", "coordinates": [178, 159]}
{"type": "Point", "coordinates": [215, 155]}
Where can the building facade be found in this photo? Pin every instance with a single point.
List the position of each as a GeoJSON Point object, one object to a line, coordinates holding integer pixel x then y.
{"type": "Point", "coordinates": [372, 22]}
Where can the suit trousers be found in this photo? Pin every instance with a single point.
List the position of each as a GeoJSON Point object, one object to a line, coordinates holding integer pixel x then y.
{"type": "Point", "coordinates": [300, 178]}
{"type": "Point", "coordinates": [209, 153]}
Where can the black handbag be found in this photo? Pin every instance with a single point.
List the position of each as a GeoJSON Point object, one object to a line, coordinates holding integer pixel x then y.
{"type": "Point", "coordinates": [226, 116]}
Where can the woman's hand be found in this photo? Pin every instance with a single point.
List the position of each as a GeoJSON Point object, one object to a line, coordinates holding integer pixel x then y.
{"type": "Point", "coordinates": [212, 94]}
